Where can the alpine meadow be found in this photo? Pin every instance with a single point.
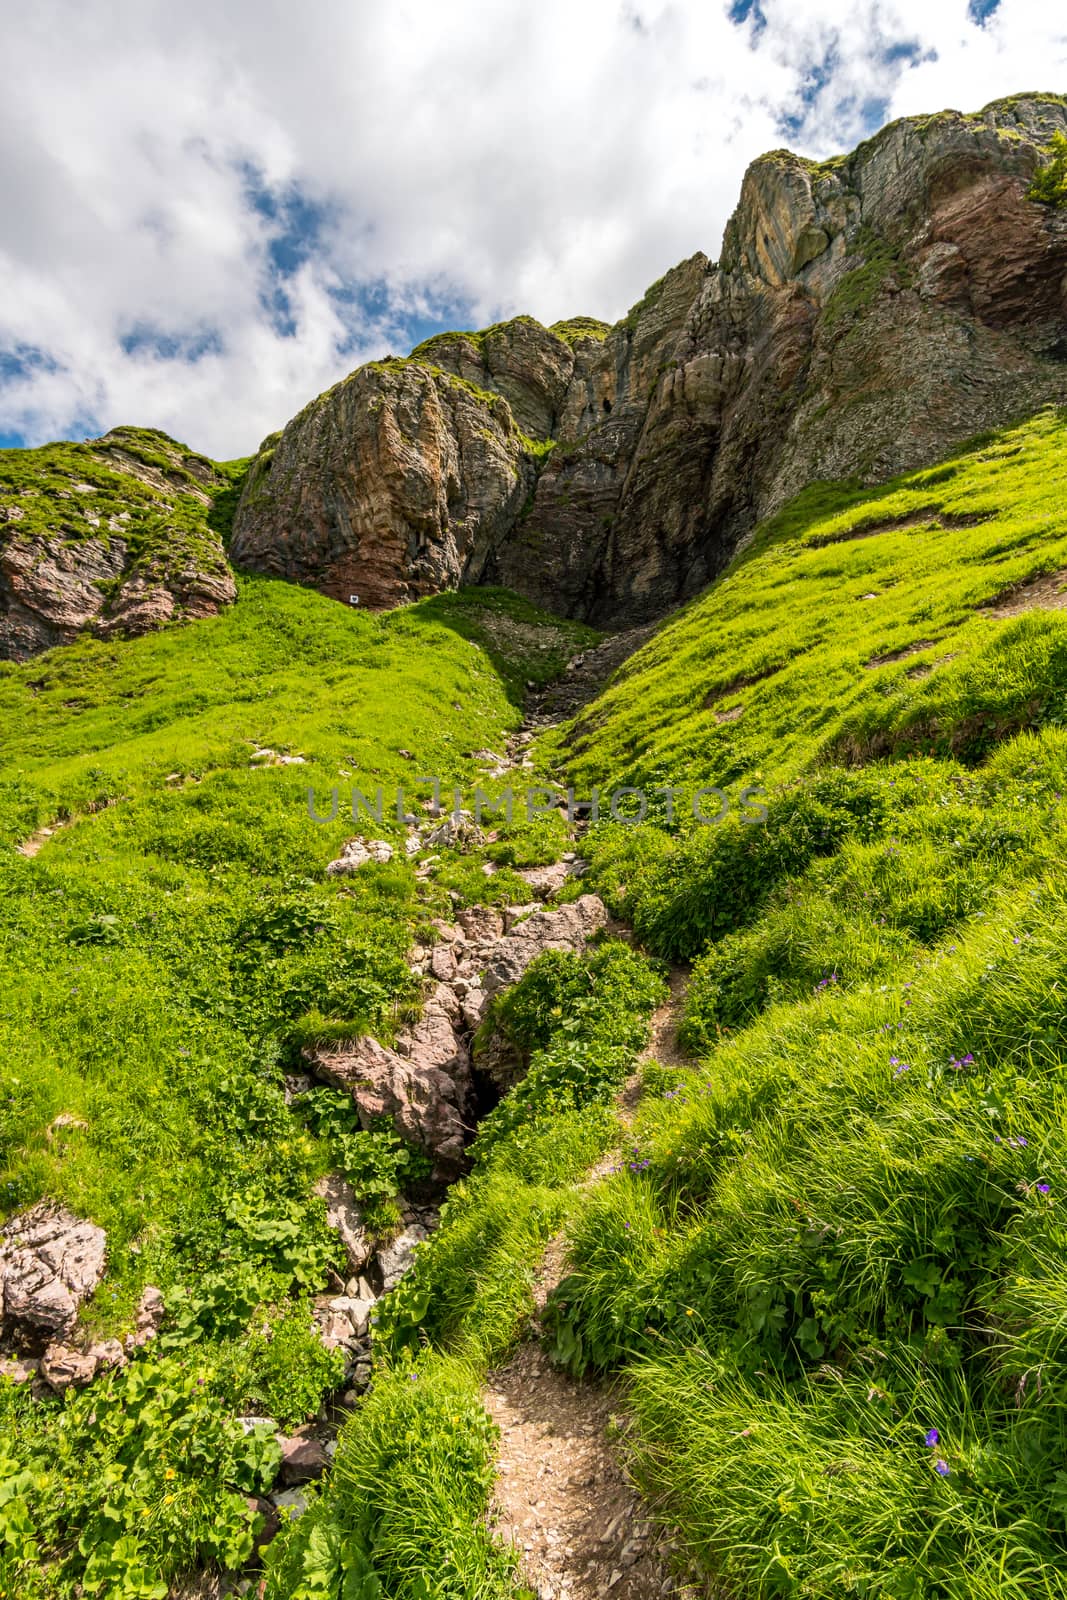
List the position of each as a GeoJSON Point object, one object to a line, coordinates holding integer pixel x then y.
{"type": "Point", "coordinates": [406, 1195]}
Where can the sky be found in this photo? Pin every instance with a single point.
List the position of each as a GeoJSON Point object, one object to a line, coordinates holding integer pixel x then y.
{"type": "Point", "coordinates": [210, 213]}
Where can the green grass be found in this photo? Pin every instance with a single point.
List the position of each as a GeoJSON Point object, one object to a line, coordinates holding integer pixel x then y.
{"type": "Point", "coordinates": [405, 1508]}
{"type": "Point", "coordinates": [75, 492]}
{"type": "Point", "coordinates": [789, 637]}
{"type": "Point", "coordinates": [576, 329]}
{"type": "Point", "coordinates": [839, 1227]}
{"type": "Point", "coordinates": [174, 943]}
{"type": "Point", "coordinates": [1050, 183]}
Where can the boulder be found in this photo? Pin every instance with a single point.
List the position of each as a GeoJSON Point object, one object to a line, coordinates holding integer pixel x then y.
{"type": "Point", "coordinates": [293, 1502]}
{"type": "Point", "coordinates": [302, 1460]}
{"type": "Point", "coordinates": [424, 1102]}
{"type": "Point", "coordinates": [396, 1259]}
{"type": "Point", "coordinates": [50, 1260]}
{"type": "Point", "coordinates": [544, 881]}
{"type": "Point", "coordinates": [17, 1370]}
{"type": "Point", "coordinates": [63, 1366]}
{"type": "Point", "coordinates": [481, 924]}
{"type": "Point", "coordinates": [151, 1311]}
{"type": "Point", "coordinates": [567, 928]}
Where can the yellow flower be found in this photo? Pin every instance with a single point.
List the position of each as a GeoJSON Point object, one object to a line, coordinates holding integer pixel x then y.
{"type": "Point", "coordinates": [170, 1473]}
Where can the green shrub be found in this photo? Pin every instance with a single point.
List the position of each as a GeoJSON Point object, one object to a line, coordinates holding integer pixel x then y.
{"type": "Point", "coordinates": [129, 1483]}
{"type": "Point", "coordinates": [1050, 181]}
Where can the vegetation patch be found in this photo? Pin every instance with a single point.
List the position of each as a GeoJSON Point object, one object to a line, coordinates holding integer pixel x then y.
{"type": "Point", "coordinates": [164, 957]}
{"type": "Point", "coordinates": [1049, 187]}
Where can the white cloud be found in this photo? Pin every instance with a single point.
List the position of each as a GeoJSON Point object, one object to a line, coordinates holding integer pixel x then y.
{"type": "Point", "coordinates": [498, 156]}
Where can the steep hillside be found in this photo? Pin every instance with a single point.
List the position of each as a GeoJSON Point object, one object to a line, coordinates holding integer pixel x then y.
{"type": "Point", "coordinates": [865, 315]}
{"type": "Point", "coordinates": [170, 948]}
{"type": "Point", "coordinates": [822, 1260]}
{"type": "Point", "coordinates": [120, 536]}
{"type": "Point", "coordinates": [857, 624]}
{"type": "Point", "coordinates": [831, 1266]}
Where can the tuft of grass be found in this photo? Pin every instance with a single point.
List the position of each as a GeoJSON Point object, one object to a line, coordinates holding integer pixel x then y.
{"type": "Point", "coordinates": [1050, 181]}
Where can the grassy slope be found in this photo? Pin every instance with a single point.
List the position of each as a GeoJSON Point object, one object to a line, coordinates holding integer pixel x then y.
{"type": "Point", "coordinates": [163, 956]}
{"type": "Point", "coordinates": [75, 492]}
{"type": "Point", "coordinates": [844, 1227]}
{"type": "Point", "coordinates": [789, 633]}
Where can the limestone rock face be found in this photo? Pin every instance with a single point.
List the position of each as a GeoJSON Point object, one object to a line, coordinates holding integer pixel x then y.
{"type": "Point", "coordinates": [865, 316]}
{"type": "Point", "coordinates": [113, 536]}
{"type": "Point", "coordinates": [392, 486]}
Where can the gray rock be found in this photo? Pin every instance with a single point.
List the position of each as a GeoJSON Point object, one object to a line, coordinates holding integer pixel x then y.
{"type": "Point", "coordinates": [107, 1354]}
{"type": "Point", "coordinates": [460, 833]}
{"type": "Point", "coordinates": [17, 1370]}
{"type": "Point", "coordinates": [63, 1366]}
{"type": "Point", "coordinates": [293, 1501]}
{"type": "Point", "coordinates": [250, 1424]}
{"type": "Point", "coordinates": [544, 881]}
{"type": "Point", "coordinates": [481, 924]}
{"type": "Point", "coordinates": [395, 1259]}
{"type": "Point", "coordinates": [357, 1311]}
{"type": "Point", "coordinates": [345, 1217]}
{"type": "Point", "coordinates": [356, 854]}
{"type": "Point", "coordinates": [50, 1260]}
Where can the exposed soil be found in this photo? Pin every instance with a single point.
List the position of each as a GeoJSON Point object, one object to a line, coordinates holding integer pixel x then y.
{"type": "Point", "coordinates": [931, 517]}
{"type": "Point", "coordinates": [1047, 593]}
{"type": "Point", "coordinates": [37, 841]}
{"type": "Point", "coordinates": [901, 655]}
{"type": "Point", "coordinates": [563, 1496]}
{"type": "Point", "coordinates": [726, 691]}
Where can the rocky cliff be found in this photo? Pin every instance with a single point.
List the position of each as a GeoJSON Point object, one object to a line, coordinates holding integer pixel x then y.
{"type": "Point", "coordinates": [865, 315]}
{"type": "Point", "coordinates": [119, 536]}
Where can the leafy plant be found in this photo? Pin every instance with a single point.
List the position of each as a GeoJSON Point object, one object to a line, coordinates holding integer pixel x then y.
{"type": "Point", "coordinates": [1050, 181]}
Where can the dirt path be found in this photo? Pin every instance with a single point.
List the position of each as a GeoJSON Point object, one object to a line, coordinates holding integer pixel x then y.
{"type": "Point", "coordinates": [562, 1496]}
{"type": "Point", "coordinates": [37, 841]}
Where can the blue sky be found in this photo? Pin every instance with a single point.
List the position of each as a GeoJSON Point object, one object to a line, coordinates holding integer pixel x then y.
{"type": "Point", "coordinates": [201, 228]}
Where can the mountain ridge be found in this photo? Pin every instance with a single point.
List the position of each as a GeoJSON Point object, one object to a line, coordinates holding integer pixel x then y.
{"type": "Point", "coordinates": [866, 314]}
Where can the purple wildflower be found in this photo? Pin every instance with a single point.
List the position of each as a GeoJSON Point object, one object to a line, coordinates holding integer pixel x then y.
{"type": "Point", "coordinates": [1044, 1188]}
{"type": "Point", "coordinates": [941, 1468]}
{"type": "Point", "coordinates": [932, 1438]}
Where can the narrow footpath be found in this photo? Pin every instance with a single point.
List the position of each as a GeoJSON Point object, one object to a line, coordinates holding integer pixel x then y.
{"type": "Point", "coordinates": [562, 1496]}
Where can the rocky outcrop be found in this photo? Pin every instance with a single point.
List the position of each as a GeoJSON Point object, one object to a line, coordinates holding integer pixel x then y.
{"type": "Point", "coordinates": [424, 1085]}
{"type": "Point", "coordinates": [866, 314]}
{"type": "Point", "coordinates": [120, 536]}
{"type": "Point", "coordinates": [391, 486]}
